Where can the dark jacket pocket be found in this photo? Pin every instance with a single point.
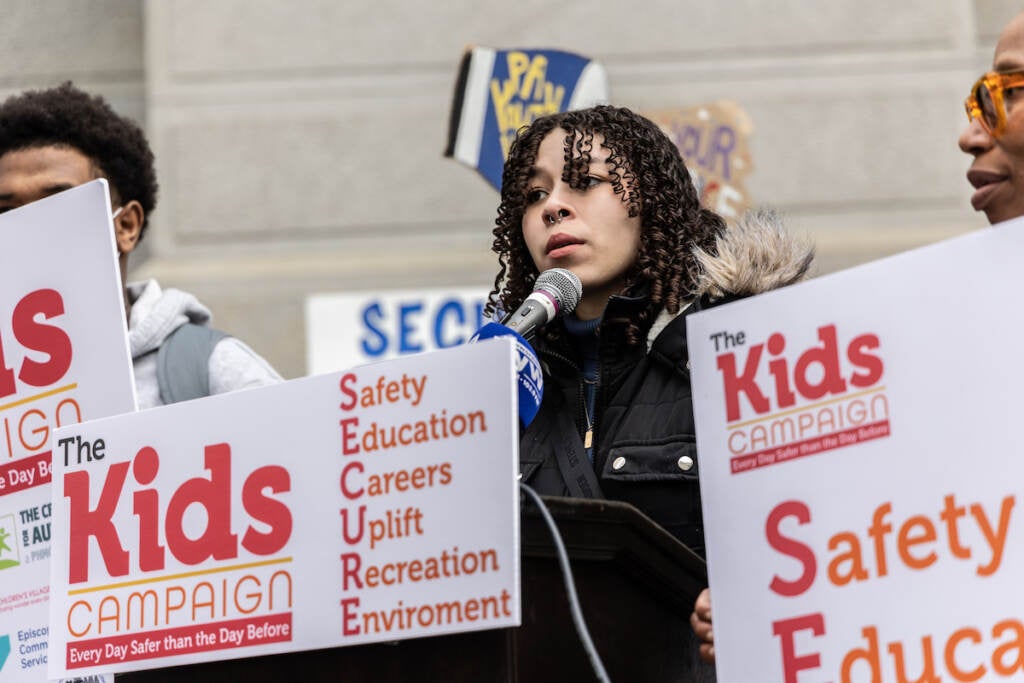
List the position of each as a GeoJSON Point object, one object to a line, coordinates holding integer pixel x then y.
{"type": "Point", "coordinates": [660, 479]}
{"type": "Point", "coordinates": [669, 460]}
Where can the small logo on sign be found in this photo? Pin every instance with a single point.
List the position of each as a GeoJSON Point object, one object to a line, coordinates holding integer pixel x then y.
{"type": "Point", "coordinates": [5, 649]}
{"type": "Point", "coordinates": [8, 542]}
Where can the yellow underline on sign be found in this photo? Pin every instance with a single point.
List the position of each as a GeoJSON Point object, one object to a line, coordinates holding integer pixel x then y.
{"type": "Point", "coordinates": [29, 399]}
{"type": "Point", "coordinates": [184, 575]}
{"type": "Point", "coordinates": [807, 407]}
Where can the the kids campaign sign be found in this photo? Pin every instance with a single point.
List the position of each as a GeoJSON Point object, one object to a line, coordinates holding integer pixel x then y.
{"type": "Point", "coordinates": [374, 504]}
{"type": "Point", "coordinates": [860, 466]}
{"type": "Point", "coordinates": [63, 358]}
{"type": "Point", "coordinates": [497, 92]}
{"type": "Point", "coordinates": [348, 329]}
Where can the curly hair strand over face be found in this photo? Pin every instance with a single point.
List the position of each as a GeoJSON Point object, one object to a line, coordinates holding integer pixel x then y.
{"type": "Point", "coordinates": [646, 171]}
{"type": "Point", "coordinates": [68, 117]}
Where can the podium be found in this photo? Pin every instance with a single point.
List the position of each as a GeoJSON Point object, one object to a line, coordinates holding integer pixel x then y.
{"type": "Point", "coordinates": [636, 585]}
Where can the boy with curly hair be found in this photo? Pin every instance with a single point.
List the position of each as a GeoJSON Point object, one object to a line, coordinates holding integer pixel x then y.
{"type": "Point", "coordinates": [55, 139]}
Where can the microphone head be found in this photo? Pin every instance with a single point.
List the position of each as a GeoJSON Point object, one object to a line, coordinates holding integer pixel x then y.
{"type": "Point", "coordinates": [563, 286]}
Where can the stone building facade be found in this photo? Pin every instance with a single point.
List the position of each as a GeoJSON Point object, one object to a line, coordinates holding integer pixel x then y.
{"type": "Point", "coordinates": [299, 144]}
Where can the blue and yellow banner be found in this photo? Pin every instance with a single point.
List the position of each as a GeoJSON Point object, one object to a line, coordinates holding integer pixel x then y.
{"type": "Point", "coordinates": [500, 91]}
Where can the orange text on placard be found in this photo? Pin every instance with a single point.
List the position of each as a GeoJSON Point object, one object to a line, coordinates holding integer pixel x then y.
{"type": "Point", "coordinates": [912, 542]}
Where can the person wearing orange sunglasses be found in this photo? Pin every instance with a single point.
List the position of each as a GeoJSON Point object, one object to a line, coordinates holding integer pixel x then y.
{"type": "Point", "coordinates": [994, 135]}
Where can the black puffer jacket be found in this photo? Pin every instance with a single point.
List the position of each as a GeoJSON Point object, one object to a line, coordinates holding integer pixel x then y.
{"type": "Point", "coordinates": [645, 449]}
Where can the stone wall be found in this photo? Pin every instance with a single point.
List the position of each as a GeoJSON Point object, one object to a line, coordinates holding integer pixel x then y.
{"type": "Point", "coordinates": [299, 144]}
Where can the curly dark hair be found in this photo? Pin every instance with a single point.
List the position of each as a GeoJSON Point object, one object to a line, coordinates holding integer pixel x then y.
{"type": "Point", "coordinates": [647, 171]}
{"type": "Point", "coordinates": [66, 116]}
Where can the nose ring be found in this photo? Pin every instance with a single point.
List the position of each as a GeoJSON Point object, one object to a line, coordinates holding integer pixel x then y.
{"type": "Point", "coordinates": [552, 219]}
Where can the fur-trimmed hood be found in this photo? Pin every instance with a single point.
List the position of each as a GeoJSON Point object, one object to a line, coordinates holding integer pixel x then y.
{"type": "Point", "coordinates": [753, 255]}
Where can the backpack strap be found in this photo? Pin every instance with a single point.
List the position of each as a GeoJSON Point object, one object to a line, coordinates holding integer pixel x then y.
{"type": "Point", "coordinates": [183, 362]}
{"type": "Point", "coordinates": [577, 471]}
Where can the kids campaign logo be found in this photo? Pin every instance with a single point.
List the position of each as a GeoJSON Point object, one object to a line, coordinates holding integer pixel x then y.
{"type": "Point", "coordinates": [192, 582]}
{"type": "Point", "coordinates": [35, 356]}
{"type": "Point", "coordinates": [783, 403]}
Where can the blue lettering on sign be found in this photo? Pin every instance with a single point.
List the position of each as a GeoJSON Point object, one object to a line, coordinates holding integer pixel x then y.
{"type": "Point", "coordinates": [480, 306]}
{"type": "Point", "coordinates": [449, 307]}
{"type": "Point", "coordinates": [405, 328]}
{"type": "Point", "coordinates": [721, 146]}
{"type": "Point", "coordinates": [710, 149]}
{"type": "Point", "coordinates": [377, 346]}
{"type": "Point", "coordinates": [411, 326]}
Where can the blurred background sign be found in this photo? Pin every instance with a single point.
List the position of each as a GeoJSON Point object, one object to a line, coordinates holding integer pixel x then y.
{"type": "Point", "coordinates": [713, 141]}
{"type": "Point", "coordinates": [497, 92]}
{"type": "Point", "coordinates": [344, 330]}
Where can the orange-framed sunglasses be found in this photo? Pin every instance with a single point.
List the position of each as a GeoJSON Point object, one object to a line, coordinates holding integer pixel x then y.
{"type": "Point", "coordinates": [987, 103]}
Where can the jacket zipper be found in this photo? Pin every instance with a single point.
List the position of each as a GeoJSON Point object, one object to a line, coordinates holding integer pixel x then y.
{"type": "Point", "coordinates": [586, 435]}
{"type": "Point", "coordinates": [590, 436]}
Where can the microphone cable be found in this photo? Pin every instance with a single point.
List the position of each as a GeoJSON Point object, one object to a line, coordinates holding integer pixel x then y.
{"type": "Point", "coordinates": [570, 587]}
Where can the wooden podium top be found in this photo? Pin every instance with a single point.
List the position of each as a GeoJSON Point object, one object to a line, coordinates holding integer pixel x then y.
{"type": "Point", "coordinates": [615, 532]}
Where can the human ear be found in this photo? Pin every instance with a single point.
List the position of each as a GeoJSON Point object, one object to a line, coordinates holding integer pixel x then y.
{"type": "Point", "coordinates": [128, 226]}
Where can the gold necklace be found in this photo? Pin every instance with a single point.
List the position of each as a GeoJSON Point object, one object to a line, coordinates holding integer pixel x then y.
{"type": "Point", "coordinates": [588, 437]}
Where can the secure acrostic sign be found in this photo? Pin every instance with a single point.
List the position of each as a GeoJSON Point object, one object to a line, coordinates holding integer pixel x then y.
{"type": "Point", "coordinates": [373, 504]}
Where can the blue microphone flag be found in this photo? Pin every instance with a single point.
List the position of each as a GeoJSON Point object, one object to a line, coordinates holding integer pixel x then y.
{"type": "Point", "coordinates": [529, 377]}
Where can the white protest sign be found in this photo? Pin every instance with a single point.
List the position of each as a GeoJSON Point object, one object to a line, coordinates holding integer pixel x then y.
{"type": "Point", "coordinates": [859, 437]}
{"type": "Point", "coordinates": [63, 358]}
{"type": "Point", "coordinates": [345, 330]}
{"type": "Point", "coordinates": [369, 505]}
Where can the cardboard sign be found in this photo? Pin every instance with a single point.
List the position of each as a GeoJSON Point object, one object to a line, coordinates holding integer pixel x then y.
{"type": "Point", "coordinates": [348, 329]}
{"type": "Point", "coordinates": [370, 505]}
{"type": "Point", "coordinates": [63, 358]}
{"type": "Point", "coordinates": [860, 469]}
{"type": "Point", "coordinates": [498, 92]}
{"type": "Point", "coordinates": [713, 141]}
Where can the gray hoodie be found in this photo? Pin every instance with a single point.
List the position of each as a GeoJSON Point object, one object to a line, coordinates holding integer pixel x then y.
{"type": "Point", "coordinates": [155, 313]}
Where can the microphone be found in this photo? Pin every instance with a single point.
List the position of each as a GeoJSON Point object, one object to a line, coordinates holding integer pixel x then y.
{"type": "Point", "coordinates": [557, 292]}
